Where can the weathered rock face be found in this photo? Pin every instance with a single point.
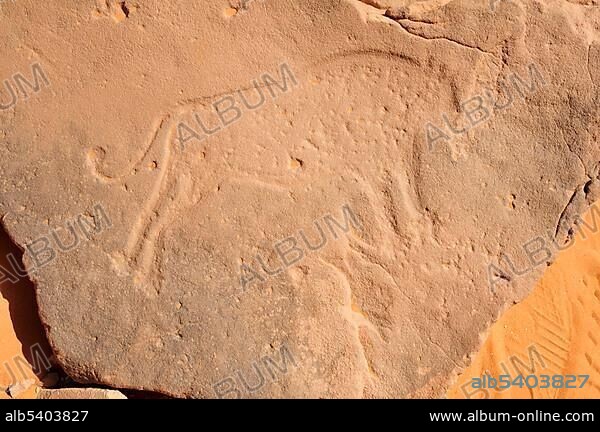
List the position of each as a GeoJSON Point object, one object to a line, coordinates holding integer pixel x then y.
{"type": "Point", "coordinates": [331, 229]}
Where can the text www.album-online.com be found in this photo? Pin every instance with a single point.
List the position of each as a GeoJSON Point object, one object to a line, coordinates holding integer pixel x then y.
{"type": "Point", "coordinates": [535, 416]}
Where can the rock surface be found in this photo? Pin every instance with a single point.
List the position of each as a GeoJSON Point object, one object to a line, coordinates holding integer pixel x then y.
{"type": "Point", "coordinates": [391, 308]}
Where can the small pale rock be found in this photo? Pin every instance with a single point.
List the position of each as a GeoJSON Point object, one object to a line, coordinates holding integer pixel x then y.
{"type": "Point", "coordinates": [20, 388]}
{"type": "Point", "coordinates": [80, 393]}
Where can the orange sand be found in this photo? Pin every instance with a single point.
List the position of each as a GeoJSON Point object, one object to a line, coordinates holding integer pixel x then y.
{"type": "Point", "coordinates": [555, 331]}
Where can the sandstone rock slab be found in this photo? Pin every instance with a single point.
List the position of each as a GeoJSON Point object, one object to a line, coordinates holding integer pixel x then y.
{"type": "Point", "coordinates": [299, 199]}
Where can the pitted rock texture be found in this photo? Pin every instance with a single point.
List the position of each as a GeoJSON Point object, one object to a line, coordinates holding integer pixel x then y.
{"type": "Point", "coordinates": [389, 302]}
